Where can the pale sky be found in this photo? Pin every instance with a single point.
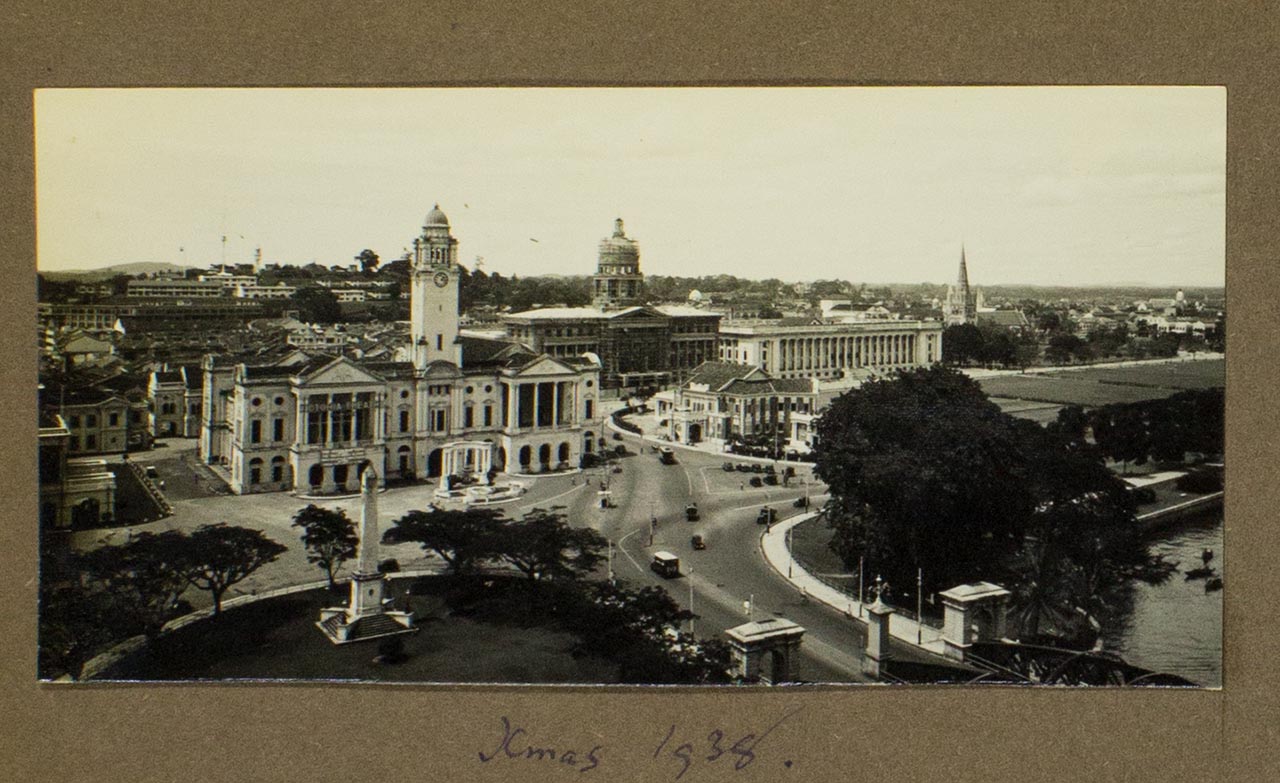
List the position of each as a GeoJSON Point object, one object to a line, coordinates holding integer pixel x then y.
{"type": "Point", "coordinates": [1048, 186]}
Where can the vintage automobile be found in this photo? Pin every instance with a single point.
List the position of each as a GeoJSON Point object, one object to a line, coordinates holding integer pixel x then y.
{"type": "Point", "coordinates": [667, 456]}
{"type": "Point", "coordinates": [767, 516]}
{"type": "Point", "coordinates": [691, 512]}
{"type": "Point", "coordinates": [665, 565]}
{"type": "Point", "coordinates": [727, 467]}
{"type": "Point", "coordinates": [697, 542]}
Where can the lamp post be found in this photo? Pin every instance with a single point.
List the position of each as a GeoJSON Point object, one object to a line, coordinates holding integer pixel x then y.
{"type": "Point", "coordinates": [861, 595]}
{"type": "Point", "coordinates": [919, 605]}
{"type": "Point", "coordinates": [691, 601]}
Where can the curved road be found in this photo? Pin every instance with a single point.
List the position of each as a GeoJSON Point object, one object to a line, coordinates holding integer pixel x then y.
{"type": "Point", "coordinates": [731, 569]}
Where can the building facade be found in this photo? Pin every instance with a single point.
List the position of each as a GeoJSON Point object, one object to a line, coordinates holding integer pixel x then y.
{"type": "Point", "coordinates": [312, 422]}
{"type": "Point", "coordinates": [175, 402]}
{"type": "Point", "coordinates": [640, 346]}
{"type": "Point", "coordinates": [721, 400]}
{"type": "Point", "coordinates": [823, 349]}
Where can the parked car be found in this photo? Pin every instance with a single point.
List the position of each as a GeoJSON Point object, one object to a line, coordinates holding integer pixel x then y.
{"type": "Point", "coordinates": [802, 502]}
{"type": "Point", "coordinates": [771, 479]}
{"type": "Point", "coordinates": [727, 467]}
{"type": "Point", "coordinates": [667, 456]}
{"type": "Point", "coordinates": [742, 467]}
{"type": "Point", "coordinates": [769, 469]}
{"type": "Point", "coordinates": [756, 481]}
{"type": "Point", "coordinates": [756, 467]}
{"type": "Point", "coordinates": [152, 472]}
{"type": "Point", "coordinates": [767, 516]}
{"type": "Point", "coordinates": [697, 542]}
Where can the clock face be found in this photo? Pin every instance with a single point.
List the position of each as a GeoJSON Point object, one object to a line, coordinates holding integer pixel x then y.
{"type": "Point", "coordinates": [441, 279]}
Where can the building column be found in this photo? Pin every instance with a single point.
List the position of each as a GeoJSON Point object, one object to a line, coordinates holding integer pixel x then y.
{"type": "Point", "coordinates": [537, 399]}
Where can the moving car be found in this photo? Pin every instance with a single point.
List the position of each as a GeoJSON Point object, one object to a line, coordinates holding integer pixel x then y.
{"type": "Point", "coordinates": [667, 456]}
{"type": "Point", "coordinates": [697, 542]}
{"type": "Point", "coordinates": [691, 512]}
{"type": "Point", "coordinates": [665, 565]}
{"type": "Point", "coordinates": [767, 516]}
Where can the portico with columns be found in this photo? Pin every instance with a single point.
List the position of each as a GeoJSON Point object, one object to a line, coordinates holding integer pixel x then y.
{"type": "Point", "coordinates": [829, 349]}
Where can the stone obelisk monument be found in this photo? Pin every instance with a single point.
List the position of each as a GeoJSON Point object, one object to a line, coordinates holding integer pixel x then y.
{"type": "Point", "coordinates": [365, 617]}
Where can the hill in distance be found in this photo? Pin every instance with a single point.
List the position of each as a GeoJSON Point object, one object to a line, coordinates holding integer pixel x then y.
{"type": "Point", "coordinates": [136, 268]}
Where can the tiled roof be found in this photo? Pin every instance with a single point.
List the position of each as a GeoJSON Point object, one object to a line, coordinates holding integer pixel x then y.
{"type": "Point", "coordinates": [769, 386]}
{"type": "Point", "coordinates": [717, 374]}
{"type": "Point", "coordinates": [681, 311]}
{"type": "Point", "coordinates": [551, 313]}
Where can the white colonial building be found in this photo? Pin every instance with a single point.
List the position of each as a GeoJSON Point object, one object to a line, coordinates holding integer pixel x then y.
{"type": "Point", "coordinates": [462, 405]}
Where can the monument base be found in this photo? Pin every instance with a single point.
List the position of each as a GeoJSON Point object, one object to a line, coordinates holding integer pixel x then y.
{"type": "Point", "coordinates": [340, 629]}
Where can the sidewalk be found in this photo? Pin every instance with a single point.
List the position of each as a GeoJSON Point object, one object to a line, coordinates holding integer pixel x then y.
{"type": "Point", "coordinates": [773, 543]}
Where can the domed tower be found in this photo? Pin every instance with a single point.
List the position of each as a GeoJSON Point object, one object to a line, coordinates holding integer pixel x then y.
{"type": "Point", "coordinates": [433, 306]}
{"type": "Point", "coordinates": [617, 282]}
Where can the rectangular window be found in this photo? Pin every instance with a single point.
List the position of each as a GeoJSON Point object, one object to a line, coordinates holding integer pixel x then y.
{"type": "Point", "coordinates": [75, 422]}
{"type": "Point", "coordinates": [255, 431]}
{"type": "Point", "coordinates": [91, 420]}
{"type": "Point", "coordinates": [468, 417]}
{"type": "Point", "coordinates": [277, 430]}
{"type": "Point", "coordinates": [437, 420]}
{"type": "Point", "coordinates": [590, 411]}
{"type": "Point", "coordinates": [277, 473]}
{"type": "Point", "coordinates": [439, 342]}
{"type": "Point", "coordinates": [91, 442]}
{"type": "Point", "coordinates": [315, 421]}
{"type": "Point", "coordinates": [488, 415]}
{"type": "Point", "coordinates": [135, 417]}
{"type": "Point", "coordinates": [114, 419]}
{"type": "Point", "coordinates": [404, 421]}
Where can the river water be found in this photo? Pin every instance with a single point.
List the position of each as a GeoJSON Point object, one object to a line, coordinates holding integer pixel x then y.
{"type": "Point", "coordinates": [1176, 627]}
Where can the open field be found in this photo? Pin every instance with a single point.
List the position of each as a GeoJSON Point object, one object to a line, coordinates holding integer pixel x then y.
{"type": "Point", "coordinates": [1100, 386]}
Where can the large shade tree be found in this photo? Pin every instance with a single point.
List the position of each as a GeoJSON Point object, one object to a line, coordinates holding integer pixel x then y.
{"type": "Point", "coordinates": [462, 538]}
{"type": "Point", "coordinates": [926, 473]}
{"type": "Point", "coordinates": [329, 536]}
{"type": "Point", "coordinates": [541, 545]}
{"type": "Point", "coordinates": [216, 557]}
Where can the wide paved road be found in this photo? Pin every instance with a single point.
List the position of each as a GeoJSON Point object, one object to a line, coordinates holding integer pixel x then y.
{"type": "Point", "coordinates": [731, 569]}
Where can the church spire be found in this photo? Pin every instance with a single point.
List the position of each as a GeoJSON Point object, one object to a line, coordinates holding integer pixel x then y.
{"type": "Point", "coordinates": [962, 280]}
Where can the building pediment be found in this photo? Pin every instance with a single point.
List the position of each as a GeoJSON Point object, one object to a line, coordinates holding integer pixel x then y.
{"type": "Point", "coordinates": [545, 366]}
{"type": "Point", "coordinates": [638, 313]}
{"type": "Point", "coordinates": [340, 371]}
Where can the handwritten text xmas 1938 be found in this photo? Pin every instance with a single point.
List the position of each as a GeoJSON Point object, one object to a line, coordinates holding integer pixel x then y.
{"type": "Point", "coordinates": [678, 749]}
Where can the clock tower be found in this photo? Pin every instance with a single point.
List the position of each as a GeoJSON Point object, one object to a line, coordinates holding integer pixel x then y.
{"type": "Point", "coordinates": [433, 304]}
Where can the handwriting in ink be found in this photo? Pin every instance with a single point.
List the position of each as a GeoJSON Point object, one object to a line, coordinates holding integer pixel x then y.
{"type": "Point", "coordinates": [515, 744]}
{"type": "Point", "coordinates": [710, 750]}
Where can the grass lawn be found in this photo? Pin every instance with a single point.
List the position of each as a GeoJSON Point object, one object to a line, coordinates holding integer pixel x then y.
{"type": "Point", "coordinates": [276, 638]}
{"type": "Point", "coordinates": [1103, 385]}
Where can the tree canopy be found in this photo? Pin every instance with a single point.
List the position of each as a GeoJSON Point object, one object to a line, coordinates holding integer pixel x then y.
{"type": "Point", "coordinates": [219, 556]}
{"type": "Point", "coordinates": [541, 545]}
{"type": "Point", "coordinates": [926, 473]}
{"type": "Point", "coordinates": [329, 536]}
{"type": "Point", "coordinates": [462, 538]}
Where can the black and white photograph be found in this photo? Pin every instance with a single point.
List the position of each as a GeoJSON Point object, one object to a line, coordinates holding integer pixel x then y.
{"type": "Point", "coordinates": [679, 386]}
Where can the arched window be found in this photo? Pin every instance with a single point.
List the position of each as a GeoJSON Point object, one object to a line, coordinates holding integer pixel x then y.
{"type": "Point", "coordinates": [315, 476]}
{"type": "Point", "coordinates": [564, 452]}
{"type": "Point", "coordinates": [277, 469]}
{"type": "Point", "coordinates": [255, 470]}
{"type": "Point", "coordinates": [544, 455]}
{"type": "Point", "coordinates": [526, 455]}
